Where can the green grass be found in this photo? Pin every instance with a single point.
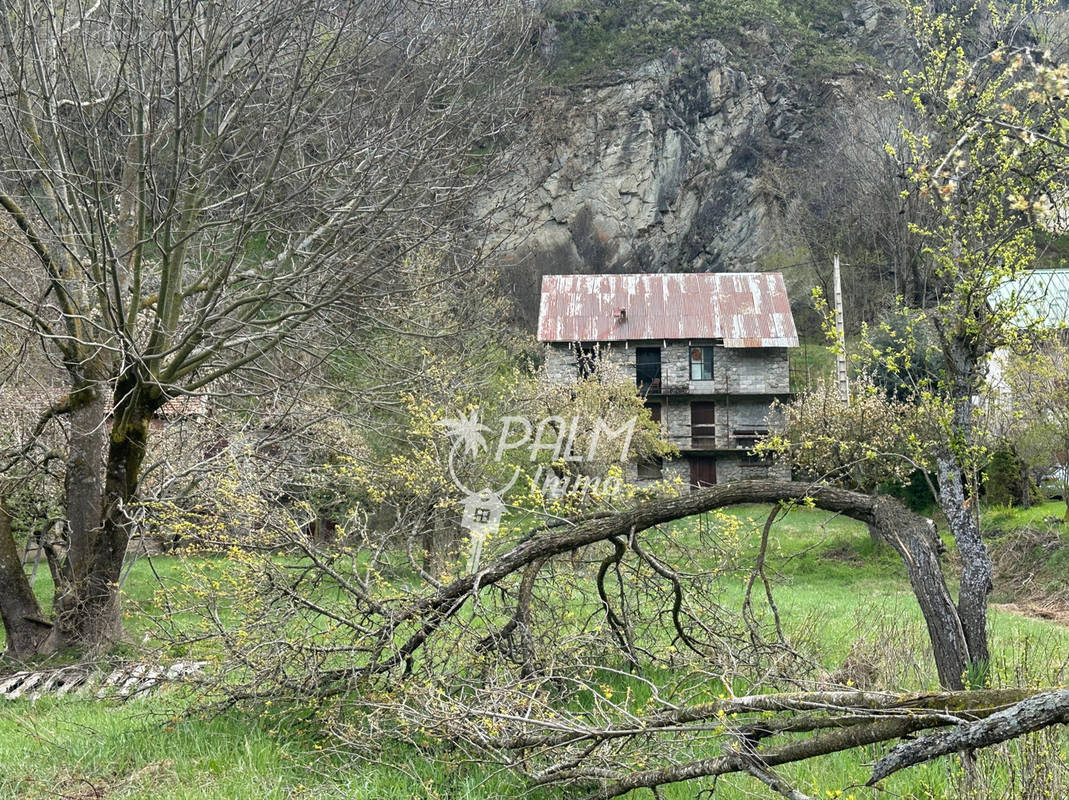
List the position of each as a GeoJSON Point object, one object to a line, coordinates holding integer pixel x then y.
{"type": "Point", "coordinates": [1010, 518]}
{"type": "Point", "coordinates": [837, 591]}
{"type": "Point", "coordinates": [140, 751]}
{"type": "Point", "coordinates": [68, 747]}
{"type": "Point", "coordinates": [831, 578]}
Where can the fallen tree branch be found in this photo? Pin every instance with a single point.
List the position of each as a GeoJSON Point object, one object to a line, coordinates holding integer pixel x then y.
{"type": "Point", "coordinates": [948, 706]}
{"type": "Point", "coordinates": [847, 738]}
{"type": "Point", "coordinates": [908, 533]}
{"type": "Point", "coordinates": [776, 783]}
{"type": "Point", "coordinates": [1032, 714]}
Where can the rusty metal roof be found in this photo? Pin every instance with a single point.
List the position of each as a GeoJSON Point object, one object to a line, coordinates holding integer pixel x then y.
{"type": "Point", "coordinates": [745, 309]}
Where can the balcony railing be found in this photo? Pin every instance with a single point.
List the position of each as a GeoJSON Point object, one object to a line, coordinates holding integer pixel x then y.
{"type": "Point", "coordinates": [656, 386]}
{"type": "Point", "coordinates": [708, 437]}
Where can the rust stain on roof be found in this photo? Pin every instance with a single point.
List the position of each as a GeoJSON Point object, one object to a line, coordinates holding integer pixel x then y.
{"type": "Point", "coordinates": [745, 309]}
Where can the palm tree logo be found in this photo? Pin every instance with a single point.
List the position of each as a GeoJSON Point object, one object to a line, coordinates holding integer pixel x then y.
{"type": "Point", "coordinates": [483, 508]}
{"type": "Point", "coordinates": [466, 432]}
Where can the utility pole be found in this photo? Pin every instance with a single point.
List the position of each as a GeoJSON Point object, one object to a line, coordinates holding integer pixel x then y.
{"type": "Point", "coordinates": [840, 336]}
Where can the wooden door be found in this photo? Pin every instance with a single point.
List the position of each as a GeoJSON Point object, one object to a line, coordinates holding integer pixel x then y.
{"type": "Point", "coordinates": [655, 411]}
{"type": "Point", "coordinates": [702, 470]}
{"type": "Point", "coordinates": [703, 425]}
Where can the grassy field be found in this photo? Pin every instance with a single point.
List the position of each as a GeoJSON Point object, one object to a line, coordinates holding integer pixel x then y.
{"type": "Point", "coordinates": [839, 594]}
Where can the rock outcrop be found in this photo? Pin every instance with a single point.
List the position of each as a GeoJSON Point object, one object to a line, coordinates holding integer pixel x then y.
{"type": "Point", "coordinates": [685, 164]}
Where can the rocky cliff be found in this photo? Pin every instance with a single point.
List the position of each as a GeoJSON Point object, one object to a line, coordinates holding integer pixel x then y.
{"type": "Point", "coordinates": [684, 163]}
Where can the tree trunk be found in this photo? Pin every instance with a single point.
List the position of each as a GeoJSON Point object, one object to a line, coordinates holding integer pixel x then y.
{"type": "Point", "coordinates": [914, 540]}
{"type": "Point", "coordinates": [28, 632]}
{"type": "Point", "coordinates": [84, 489]}
{"type": "Point", "coordinates": [441, 543]}
{"type": "Point", "coordinates": [75, 593]}
{"type": "Point", "coordinates": [976, 566]}
{"type": "Point", "coordinates": [964, 360]}
{"type": "Point", "coordinates": [87, 608]}
{"type": "Point", "coordinates": [1032, 714]}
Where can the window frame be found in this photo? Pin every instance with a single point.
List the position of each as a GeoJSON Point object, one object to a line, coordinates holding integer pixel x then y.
{"type": "Point", "coordinates": [649, 382]}
{"type": "Point", "coordinates": [654, 465]}
{"type": "Point", "coordinates": [704, 363]}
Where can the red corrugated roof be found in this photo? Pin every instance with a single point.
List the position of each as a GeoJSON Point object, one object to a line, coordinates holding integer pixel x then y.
{"type": "Point", "coordinates": [745, 309]}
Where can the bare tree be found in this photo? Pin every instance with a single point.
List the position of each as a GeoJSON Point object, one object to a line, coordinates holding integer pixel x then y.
{"type": "Point", "coordinates": [197, 182]}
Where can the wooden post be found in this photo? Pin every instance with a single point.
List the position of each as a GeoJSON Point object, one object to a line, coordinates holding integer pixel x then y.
{"type": "Point", "coordinates": [841, 380]}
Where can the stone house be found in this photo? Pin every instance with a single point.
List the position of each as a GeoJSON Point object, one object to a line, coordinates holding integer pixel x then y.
{"type": "Point", "coordinates": [709, 353]}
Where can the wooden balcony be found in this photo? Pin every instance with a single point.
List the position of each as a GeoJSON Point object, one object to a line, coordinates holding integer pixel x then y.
{"type": "Point", "coordinates": [656, 387]}
{"type": "Point", "coordinates": [703, 438]}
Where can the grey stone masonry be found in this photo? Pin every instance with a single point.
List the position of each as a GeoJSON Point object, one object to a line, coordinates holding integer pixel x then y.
{"type": "Point", "coordinates": [743, 384]}
{"type": "Point", "coordinates": [731, 414]}
{"type": "Point", "coordinates": [733, 468]}
{"type": "Point", "coordinates": [562, 361]}
{"type": "Point", "coordinates": [560, 364]}
{"type": "Point", "coordinates": [735, 370]}
{"type": "Point", "coordinates": [729, 467]}
{"type": "Point", "coordinates": [756, 370]}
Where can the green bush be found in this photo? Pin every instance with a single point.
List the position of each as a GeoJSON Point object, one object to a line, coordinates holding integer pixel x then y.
{"type": "Point", "coordinates": [1003, 481]}
{"type": "Point", "coordinates": [917, 494]}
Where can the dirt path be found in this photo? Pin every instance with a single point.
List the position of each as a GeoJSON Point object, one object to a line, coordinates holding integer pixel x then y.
{"type": "Point", "coordinates": [1051, 611]}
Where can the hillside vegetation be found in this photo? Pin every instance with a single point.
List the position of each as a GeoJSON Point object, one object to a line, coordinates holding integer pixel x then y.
{"type": "Point", "coordinates": [597, 39]}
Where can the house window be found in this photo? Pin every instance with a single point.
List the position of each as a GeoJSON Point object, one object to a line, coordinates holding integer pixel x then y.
{"type": "Point", "coordinates": [586, 360]}
{"type": "Point", "coordinates": [651, 469]}
{"type": "Point", "coordinates": [481, 515]}
{"type": "Point", "coordinates": [749, 437]}
{"type": "Point", "coordinates": [648, 368]}
{"type": "Point", "coordinates": [701, 363]}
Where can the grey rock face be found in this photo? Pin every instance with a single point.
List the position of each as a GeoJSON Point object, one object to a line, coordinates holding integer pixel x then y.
{"type": "Point", "coordinates": [652, 174]}
{"type": "Point", "coordinates": [687, 163]}
{"type": "Point", "coordinates": [662, 171]}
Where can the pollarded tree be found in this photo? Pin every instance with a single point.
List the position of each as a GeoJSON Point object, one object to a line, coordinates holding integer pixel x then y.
{"type": "Point", "coordinates": [198, 182]}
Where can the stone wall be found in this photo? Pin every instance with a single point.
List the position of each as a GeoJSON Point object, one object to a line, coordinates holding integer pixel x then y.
{"type": "Point", "coordinates": [560, 365]}
{"type": "Point", "coordinates": [678, 469]}
{"type": "Point", "coordinates": [735, 370]}
{"type": "Point", "coordinates": [736, 413]}
{"type": "Point", "coordinates": [756, 370]}
{"type": "Point", "coordinates": [730, 467]}
{"type": "Point", "coordinates": [742, 381]}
